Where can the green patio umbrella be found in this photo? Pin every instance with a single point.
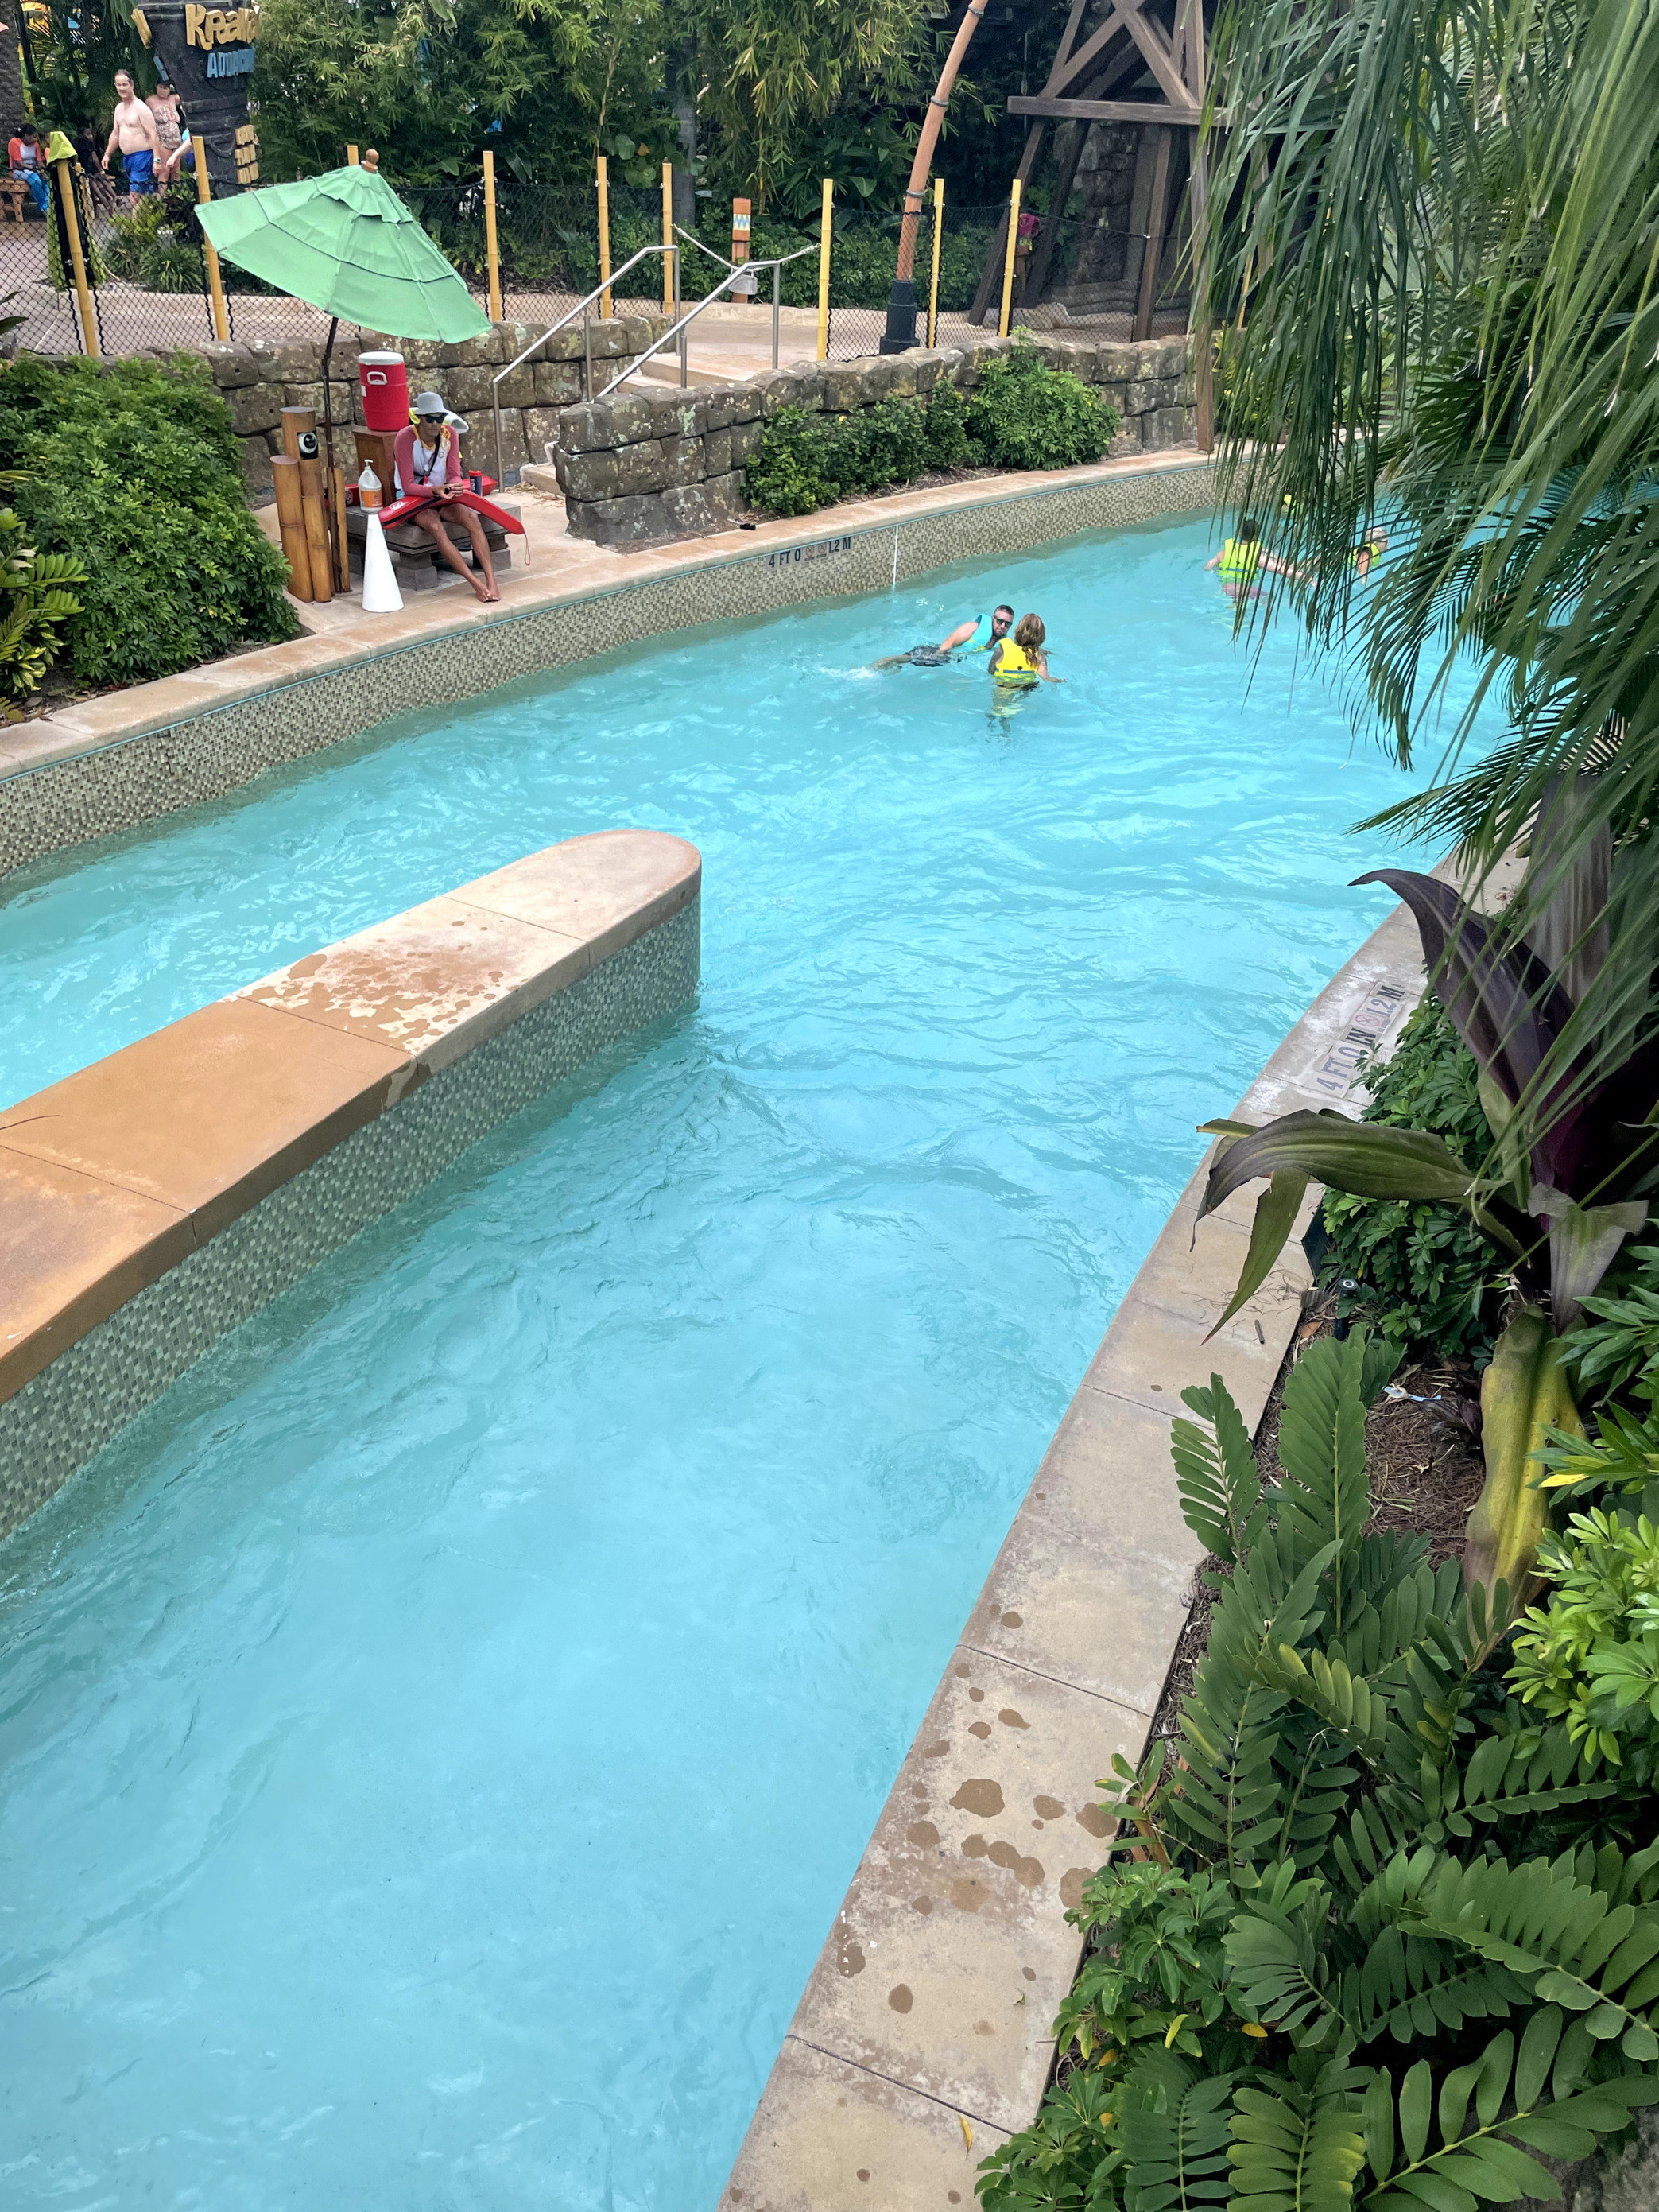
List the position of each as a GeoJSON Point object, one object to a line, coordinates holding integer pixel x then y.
{"type": "Point", "coordinates": [347, 244]}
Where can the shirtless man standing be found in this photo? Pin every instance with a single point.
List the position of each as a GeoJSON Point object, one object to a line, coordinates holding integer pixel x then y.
{"type": "Point", "coordinates": [134, 130]}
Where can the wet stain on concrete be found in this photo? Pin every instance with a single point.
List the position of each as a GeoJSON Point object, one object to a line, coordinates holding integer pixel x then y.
{"type": "Point", "coordinates": [1009, 1718]}
{"type": "Point", "coordinates": [850, 1955]}
{"type": "Point", "coordinates": [983, 2027]}
{"type": "Point", "coordinates": [1098, 1820]}
{"type": "Point", "coordinates": [980, 1797]}
{"type": "Point", "coordinates": [900, 1999]}
{"type": "Point", "coordinates": [1027, 1872]}
{"type": "Point", "coordinates": [975, 1847]}
{"type": "Point", "coordinates": [981, 1728]}
{"type": "Point", "coordinates": [923, 1832]}
{"type": "Point", "coordinates": [1071, 1886]}
{"type": "Point", "coordinates": [936, 1750]}
{"type": "Point", "coordinates": [968, 1892]}
{"type": "Point", "coordinates": [1015, 1619]}
{"type": "Point", "coordinates": [922, 1904]}
{"type": "Point", "coordinates": [1049, 1808]}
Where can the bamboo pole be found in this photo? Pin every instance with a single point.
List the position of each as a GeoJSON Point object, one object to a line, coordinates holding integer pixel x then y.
{"type": "Point", "coordinates": [932, 283]}
{"type": "Point", "coordinates": [66, 201]}
{"type": "Point", "coordinates": [1008, 259]}
{"type": "Point", "coordinates": [606, 309]}
{"type": "Point", "coordinates": [491, 250]}
{"type": "Point", "coordinates": [216, 282]}
{"type": "Point", "coordinates": [668, 237]}
{"type": "Point", "coordinates": [823, 269]}
{"type": "Point", "coordinates": [316, 529]}
{"type": "Point", "coordinates": [291, 523]}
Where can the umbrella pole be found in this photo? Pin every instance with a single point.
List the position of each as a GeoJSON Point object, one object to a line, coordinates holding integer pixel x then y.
{"type": "Point", "coordinates": [336, 539]}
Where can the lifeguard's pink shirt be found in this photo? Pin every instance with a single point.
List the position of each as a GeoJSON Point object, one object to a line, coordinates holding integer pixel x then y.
{"type": "Point", "coordinates": [411, 476]}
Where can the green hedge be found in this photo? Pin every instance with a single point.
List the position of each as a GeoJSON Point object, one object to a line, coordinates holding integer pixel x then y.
{"type": "Point", "coordinates": [134, 471]}
{"type": "Point", "coordinates": [1023, 415]}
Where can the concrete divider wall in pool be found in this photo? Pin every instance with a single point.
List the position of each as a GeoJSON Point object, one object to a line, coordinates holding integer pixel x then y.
{"type": "Point", "coordinates": [153, 1201]}
{"type": "Point", "coordinates": [109, 764]}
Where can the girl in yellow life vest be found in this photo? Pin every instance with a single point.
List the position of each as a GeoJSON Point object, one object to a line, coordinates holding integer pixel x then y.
{"type": "Point", "coordinates": [1244, 561]}
{"type": "Point", "coordinates": [1020, 662]}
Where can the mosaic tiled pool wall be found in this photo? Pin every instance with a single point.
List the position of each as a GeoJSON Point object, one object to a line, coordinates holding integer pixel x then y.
{"type": "Point", "coordinates": [55, 1423]}
{"type": "Point", "coordinates": [139, 779]}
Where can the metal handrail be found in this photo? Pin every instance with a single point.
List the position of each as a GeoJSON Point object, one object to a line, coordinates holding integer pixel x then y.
{"type": "Point", "coordinates": [553, 330]}
{"type": "Point", "coordinates": [707, 301]}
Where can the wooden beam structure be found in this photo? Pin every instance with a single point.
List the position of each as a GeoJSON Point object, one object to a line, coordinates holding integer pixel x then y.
{"type": "Point", "coordinates": [1151, 54]}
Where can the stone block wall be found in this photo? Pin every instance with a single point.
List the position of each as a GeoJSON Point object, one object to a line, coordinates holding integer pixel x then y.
{"type": "Point", "coordinates": [654, 464]}
{"type": "Point", "coordinates": [258, 379]}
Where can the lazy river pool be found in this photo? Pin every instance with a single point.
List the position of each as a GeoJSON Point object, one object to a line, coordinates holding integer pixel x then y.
{"type": "Point", "coordinates": [437, 1736]}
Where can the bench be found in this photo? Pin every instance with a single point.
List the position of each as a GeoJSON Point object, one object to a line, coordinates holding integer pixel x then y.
{"type": "Point", "coordinates": [15, 197]}
{"type": "Point", "coordinates": [415, 561]}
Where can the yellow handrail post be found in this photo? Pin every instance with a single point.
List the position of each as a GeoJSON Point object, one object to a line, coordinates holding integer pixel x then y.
{"type": "Point", "coordinates": [823, 269]}
{"type": "Point", "coordinates": [1008, 260]}
{"type": "Point", "coordinates": [351, 157]}
{"type": "Point", "coordinates": [66, 201]}
{"type": "Point", "coordinates": [932, 287]}
{"type": "Point", "coordinates": [492, 254]}
{"type": "Point", "coordinates": [606, 308]}
{"type": "Point", "coordinates": [668, 237]}
{"type": "Point", "coordinates": [216, 282]}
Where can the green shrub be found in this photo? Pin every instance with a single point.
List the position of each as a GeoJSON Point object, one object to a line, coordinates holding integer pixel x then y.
{"type": "Point", "coordinates": [1425, 1274]}
{"type": "Point", "coordinates": [156, 246]}
{"type": "Point", "coordinates": [1388, 1934]}
{"type": "Point", "coordinates": [1034, 417]}
{"type": "Point", "coordinates": [135, 473]}
{"type": "Point", "coordinates": [1025, 415]}
{"type": "Point", "coordinates": [1590, 1657]}
{"type": "Point", "coordinates": [789, 473]}
{"type": "Point", "coordinates": [877, 445]}
{"type": "Point", "coordinates": [37, 597]}
{"type": "Point", "coordinates": [947, 427]}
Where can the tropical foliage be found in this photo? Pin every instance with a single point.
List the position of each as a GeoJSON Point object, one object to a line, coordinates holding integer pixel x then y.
{"type": "Point", "coordinates": [1430, 236]}
{"type": "Point", "coordinates": [1023, 415]}
{"type": "Point", "coordinates": [1376, 1932]}
{"type": "Point", "coordinates": [37, 597]}
{"type": "Point", "coordinates": [1426, 1275]}
{"type": "Point", "coordinates": [133, 475]}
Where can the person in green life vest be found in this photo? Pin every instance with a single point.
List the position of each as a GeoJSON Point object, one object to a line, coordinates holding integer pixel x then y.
{"type": "Point", "coordinates": [1368, 551]}
{"type": "Point", "coordinates": [983, 634]}
{"type": "Point", "coordinates": [1243, 559]}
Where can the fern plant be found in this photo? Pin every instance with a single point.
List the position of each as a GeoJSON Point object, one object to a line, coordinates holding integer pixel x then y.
{"type": "Point", "coordinates": [37, 597]}
{"type": "Point", "coordinates": [1375, 1931]}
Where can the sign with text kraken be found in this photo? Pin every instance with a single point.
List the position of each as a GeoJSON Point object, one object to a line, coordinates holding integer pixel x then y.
{"type": "Point", "coordinates": [207, 53]}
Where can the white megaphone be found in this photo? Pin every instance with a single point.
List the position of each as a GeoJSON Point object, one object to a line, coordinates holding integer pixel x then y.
{"type": "Point", "coordinates": [380, 592]}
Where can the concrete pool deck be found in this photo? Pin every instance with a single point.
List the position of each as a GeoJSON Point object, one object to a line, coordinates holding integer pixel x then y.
{"type": "Point", "coordinates": [111, 763]}
{"type": "Point", "coordinates": [152, 1201]}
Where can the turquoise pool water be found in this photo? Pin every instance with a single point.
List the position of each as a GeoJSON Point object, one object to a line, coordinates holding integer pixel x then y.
{"type": "Point", "coordinates": [437, 1737]}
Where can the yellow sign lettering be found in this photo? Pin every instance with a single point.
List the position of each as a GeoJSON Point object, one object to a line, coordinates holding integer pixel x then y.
{"type": "Point", "coordinates": [194, 17]}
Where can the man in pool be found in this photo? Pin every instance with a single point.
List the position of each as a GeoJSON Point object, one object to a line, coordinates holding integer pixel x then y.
{"type": "Point", "coordinates": [977, 635]}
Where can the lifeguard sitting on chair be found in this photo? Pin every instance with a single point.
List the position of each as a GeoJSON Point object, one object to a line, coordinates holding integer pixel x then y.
{"type": "Point", "coordinates": [427, 454]}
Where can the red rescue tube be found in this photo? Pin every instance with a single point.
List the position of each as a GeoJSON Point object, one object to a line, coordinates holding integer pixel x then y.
{"type": "Point", "coordinates": [413, 501]}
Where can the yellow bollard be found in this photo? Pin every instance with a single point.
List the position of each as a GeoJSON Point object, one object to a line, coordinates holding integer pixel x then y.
{"type": "Point", "coordinates": [823, 270]}
{"type": "Point", "coordinates": [933, 288]}
{"type": "Point", "coordinates": [1008, 260]}
{"type": "Point", "coordinates": [668, 237]}
{"type": "Point", "coordinates": [605, 309]}
{"type": "Point", "coordinates": [491, 253]}
{"type": "Point", "coordinates": [66, 200]}
{"type": "Point", "coordinates": [216, 282]}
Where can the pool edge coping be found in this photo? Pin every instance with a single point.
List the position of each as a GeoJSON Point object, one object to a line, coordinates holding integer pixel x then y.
{"type": "Point", "coordinates": [914, 2109]}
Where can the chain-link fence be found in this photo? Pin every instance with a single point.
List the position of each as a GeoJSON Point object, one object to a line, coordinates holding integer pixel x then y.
{"type": "Point", "coordinates": [1078, 268]}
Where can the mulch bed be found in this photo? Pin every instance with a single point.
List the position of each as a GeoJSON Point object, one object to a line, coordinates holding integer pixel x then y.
{"type": "Point", "coordinates": [1422, 1447]}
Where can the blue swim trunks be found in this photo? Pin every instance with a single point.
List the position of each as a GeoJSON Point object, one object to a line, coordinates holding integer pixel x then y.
{"type": "Point", "coordinates": [141, 171]}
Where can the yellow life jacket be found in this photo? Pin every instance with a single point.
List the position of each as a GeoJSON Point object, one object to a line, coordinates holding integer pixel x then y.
{"type": "Point", "coordinates": [1016, 666]}
{"type": "Point", "coordinates": [1239, 557]}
